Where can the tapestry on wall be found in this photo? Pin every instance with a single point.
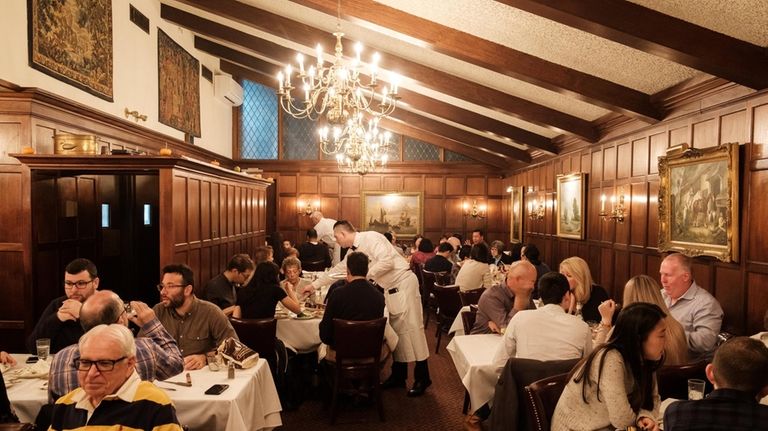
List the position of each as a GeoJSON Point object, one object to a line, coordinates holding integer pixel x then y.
{"type": "Point", "coordinates": [71, 40]}
{"type": "Point", "coordinates": [179, 86]}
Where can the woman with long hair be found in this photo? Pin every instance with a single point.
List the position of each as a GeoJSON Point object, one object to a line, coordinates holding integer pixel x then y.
{"type": "Point", "coordinates": [588, 294]}
{"type": "Point", "coordinates": [615, 386]}
{"type": "Point", "coordinates": [642, 288]}
{"type": "Point", "coordinates": [257, 300]}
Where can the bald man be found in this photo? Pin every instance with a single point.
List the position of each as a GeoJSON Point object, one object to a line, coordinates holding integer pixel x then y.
{"type": "Point", "coordinates": [500, 302]}
{"type": "Point", "coordinates": [324, 228]}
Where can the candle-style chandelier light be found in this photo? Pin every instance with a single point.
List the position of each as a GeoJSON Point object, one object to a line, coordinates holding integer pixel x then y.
{"type": "Point", "coordinates": [358, 147]}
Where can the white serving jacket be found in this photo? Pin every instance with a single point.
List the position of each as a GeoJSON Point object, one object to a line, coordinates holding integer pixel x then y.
{"type": "Point", "coordinates": [390, 271]}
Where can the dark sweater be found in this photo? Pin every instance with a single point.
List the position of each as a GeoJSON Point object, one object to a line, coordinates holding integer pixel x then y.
{"type": "Point", "coordinates": [62, 334]}
{"type": "Point", "coordinates": [259, 301]}
{"type": "Point", "coordinates": [589, 310]}
{"type": "Point", "coordinates": [309, 252]}
{"type": "Point", "coordinates": [438, 264]}
{"type": "Point", "coordinates": [358, 300]}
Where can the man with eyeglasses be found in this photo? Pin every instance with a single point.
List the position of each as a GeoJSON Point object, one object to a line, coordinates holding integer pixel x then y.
{"type": "Point", "coordinates": [60, 319]}
{"type": "Point", "coordinates": [222, 289]}
{"type": "Point", "coordinates": [198, 326]}
{"type": "Point", "coordinates": [157, 354]}
{"type": "Point", "coordinates": [111, 393]}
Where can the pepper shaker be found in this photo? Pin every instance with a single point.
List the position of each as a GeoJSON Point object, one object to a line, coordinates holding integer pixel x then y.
{"type": "Point", "coordinates": [231, 370]}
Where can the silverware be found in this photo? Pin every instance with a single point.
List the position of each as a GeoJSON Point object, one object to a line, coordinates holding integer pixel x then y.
{"type": "Point", "coordinates": [167, 389]}
{"type": "Point", "coordinates": [188, 385]}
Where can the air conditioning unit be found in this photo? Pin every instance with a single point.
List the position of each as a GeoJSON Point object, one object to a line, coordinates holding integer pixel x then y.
{"type": "Point", "coordinates": [227, 90]}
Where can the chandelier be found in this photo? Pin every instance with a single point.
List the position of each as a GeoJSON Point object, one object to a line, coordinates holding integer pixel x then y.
{"type": "Point", "coordinates": [335, 90]}
{"type": "Point", "coordinates": [359, 148]}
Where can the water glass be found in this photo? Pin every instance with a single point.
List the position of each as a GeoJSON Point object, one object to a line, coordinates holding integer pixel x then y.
{"type": "Point", "coordinates": [43, 348]}
{"type": "Point", "coordinates": [695, 389]}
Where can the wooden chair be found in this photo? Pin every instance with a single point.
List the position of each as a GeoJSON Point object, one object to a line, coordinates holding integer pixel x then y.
{"type": "Point", "coordinates": [673, 379]}
{"type": "Point", "coordinates": [542, 397]}
{"type": "Point", "coordinates": [358, 359]}
{"type": "Point", "coordinates": [471, 297]}
{"type": "Point", "coordinates": [428, 301]}
{"type": "Point", "coordinates": [260, 335]}
{"type": "Point", "coordinates": [314, 265]}
{"type": "Point", "coordinates": [468, 319]}
{"type": "Point", "coordinates": [448, 307]}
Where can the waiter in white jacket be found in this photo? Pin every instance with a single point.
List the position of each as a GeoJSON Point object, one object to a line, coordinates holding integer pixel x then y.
{"type": "Point", "coordinates": [401, 293]}
{"type": "Point", "coordinates": [324, 228]}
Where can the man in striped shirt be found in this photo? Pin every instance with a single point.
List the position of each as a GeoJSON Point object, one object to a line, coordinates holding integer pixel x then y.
{"type": "Point", "coordinates": [111, 395]}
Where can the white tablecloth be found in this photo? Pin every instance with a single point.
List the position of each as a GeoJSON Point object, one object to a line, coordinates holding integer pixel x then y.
{"type": "Point", "coordinates": [301, 336]}
{"type": "Point", "coordinates": [473, 357]}
{"type": "Point", "coordinates": [250, 403]}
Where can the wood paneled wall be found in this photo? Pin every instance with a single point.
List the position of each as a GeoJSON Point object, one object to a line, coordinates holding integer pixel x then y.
{"type": "Point", "coordinates": [214, 219]}
{"type": "Point", "coordinates": [444, 193]}
{"type": "Point", "coordinates": [218, 212]}
{"type": "Point", "coordinates": [616, 252]}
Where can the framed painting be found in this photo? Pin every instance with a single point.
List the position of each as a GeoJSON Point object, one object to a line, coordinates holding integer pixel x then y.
{"type": "Point", "coordinates": [71, 40]}
{"type": "Point", "coordinates": [178, 77]}
{"type": "Point", "coordinates": [570, 206]}
{"type": "Point", "coordinates": [699, 202]}
{"type": "Point", "coordinates": [392, 211]}
{"type": "Point", "coordinates": [516, 215]}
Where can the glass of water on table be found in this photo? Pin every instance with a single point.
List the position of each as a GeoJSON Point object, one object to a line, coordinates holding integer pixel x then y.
{"type": "Point", "coordinates": [695, 389]}
{"type": "Point", "coordinates": [43, 348]}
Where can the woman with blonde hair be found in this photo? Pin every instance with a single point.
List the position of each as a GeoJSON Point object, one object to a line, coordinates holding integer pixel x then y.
{"type": "Point", "coordinates": [588, 294]}
{"type": "Point", "coordinates": [642, 288]}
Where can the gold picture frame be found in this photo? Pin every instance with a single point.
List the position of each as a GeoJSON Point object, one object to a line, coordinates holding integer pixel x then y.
{"type": "Point", "coordinates": [401, 213]}
{"type": "Point", "coordinates": [516, 215]}
{"type": "Point", "coordinates": [570, 205]}
{"type": "Point", "coordinates": [699, 202]}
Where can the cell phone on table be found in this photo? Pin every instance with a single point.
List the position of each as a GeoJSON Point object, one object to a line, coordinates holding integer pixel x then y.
{"type": "Point", "coordinates": [216, 389]}
{"type": "Point", "coordinates": [32, 360]}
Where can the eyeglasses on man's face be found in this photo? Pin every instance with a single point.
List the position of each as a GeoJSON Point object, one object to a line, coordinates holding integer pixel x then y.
{"type": "Point", "coordinates": [162, 286]}
{"type": "Point", "coordinates": [101, 365]}
{"type": "Point", "coordinates": [80, 284]}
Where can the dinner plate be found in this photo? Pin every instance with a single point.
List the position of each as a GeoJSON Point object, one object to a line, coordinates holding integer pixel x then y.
{"type": "Point", "coordinates": [305, 317]}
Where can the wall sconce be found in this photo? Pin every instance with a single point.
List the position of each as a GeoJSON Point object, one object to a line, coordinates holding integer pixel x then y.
{"type": "Point", "coordinates": [617, 212]}
{"type": "Point", "coordinates": [475, 211]}
{"type": "Point", "coordinates": [307, 208]}
{"type": "Point", "coordinates": [536, 209]}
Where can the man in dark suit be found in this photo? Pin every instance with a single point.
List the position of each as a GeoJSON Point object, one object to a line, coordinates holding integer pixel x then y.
{"type": "Point", "coordinates": [441, 262]}
{"type": "Point", "coordinates": [357, 300]}
{"type": "Point", "coordinates": [738, 373]}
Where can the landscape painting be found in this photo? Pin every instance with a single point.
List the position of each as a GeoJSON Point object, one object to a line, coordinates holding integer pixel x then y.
{"type": "Point", "coordinates": [390, 211]}
{"type": "Point", "coordinates": [570, 206]}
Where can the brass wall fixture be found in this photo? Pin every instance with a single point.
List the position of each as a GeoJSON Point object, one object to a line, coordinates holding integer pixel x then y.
{"type": "Point", "coordinates": [618, 209]}
{"type": "Point", "coordinates": [475, 210]}
{"type": "Point", "coordinates": [308, 207]}
{"type": "Point", "coordinates": [135, 114]}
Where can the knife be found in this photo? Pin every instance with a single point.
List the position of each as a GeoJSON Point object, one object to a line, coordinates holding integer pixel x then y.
{"type": "Point", "coordinates": [187, 384]}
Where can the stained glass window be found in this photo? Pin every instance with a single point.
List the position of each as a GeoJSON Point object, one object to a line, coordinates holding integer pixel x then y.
{"type": "Point", "coordinates": [300, 141]}
{"type": "Point", "coordinates": [450, 156]}
{"type": "Point", "coordinates": [258, 122]}
{"type": "Point", "coordinates": [419, 150]}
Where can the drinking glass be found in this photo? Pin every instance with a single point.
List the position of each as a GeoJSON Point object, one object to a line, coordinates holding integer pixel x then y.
{"type": "Point", "coordinates": [695, 389]}
{"type": "Point", "coordinates": [43, 348]}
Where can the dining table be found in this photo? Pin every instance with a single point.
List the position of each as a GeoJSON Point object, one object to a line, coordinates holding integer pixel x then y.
{"type": "Point", "coordinates": [249, 403]}
{"type": "Point", "coordinates": [473, 358]}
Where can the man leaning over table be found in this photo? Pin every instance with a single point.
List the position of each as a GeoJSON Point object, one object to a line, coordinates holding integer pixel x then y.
{"type": "Point", "coordinates": [695, 308]}
{"type": "Point", "coordinates": [401, 295]}
{"type": "Point", "coordinates": [59, 320]}
{"type": "Point", "coordinates": [157, 354]}
{"type": "Point", "coordinates": [198, 326]}
{"type": "Point", "coordinates": [222, 289]}
{"type": "Point", "coordinates": [324, 228]}
{"type": "Point", "coordinates": [502, 301]}
{"type": "Point", "coordinates": [738, 373]}
{"type": "Point", "coordinates": [111, 395]}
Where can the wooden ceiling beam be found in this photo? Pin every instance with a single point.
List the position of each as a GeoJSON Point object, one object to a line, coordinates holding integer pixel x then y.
{"type": "Point", "coordinates": [461, 141]}
{"type": "Point", "coordinates": [415, 100]}
{"type": "Point", "coordinates": [496, 57]}
{"type": "Point", "coordinates": [658, 34]}
{"type": "Point", "coordinates": [434, 79]}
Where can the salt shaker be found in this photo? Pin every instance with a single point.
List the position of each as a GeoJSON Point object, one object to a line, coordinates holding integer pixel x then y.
{"type": "Point", "coordinates": [231, 370]}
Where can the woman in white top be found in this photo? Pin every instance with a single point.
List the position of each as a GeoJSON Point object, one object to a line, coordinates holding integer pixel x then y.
{"type": "Point", "coordinates": [475, 271]}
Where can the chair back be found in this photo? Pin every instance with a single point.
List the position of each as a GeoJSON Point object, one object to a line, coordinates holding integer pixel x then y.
{"type": "Point", "coordinates": [358, 339]}
{"type": "Point", "coordinates": [448, 301]}
{"type": "Point", "coordinates": [673, 379]}
{"type": "Point", "coordinates": [542, 397]}
{"type": "Point", "coordinates": [258, 334]}
{"type": "Point", "coordinates": [468, 319]}
{"type": "Point", "coordinates": [313, 265]}
{"type": "Point", "coordinates": [471, 297]}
